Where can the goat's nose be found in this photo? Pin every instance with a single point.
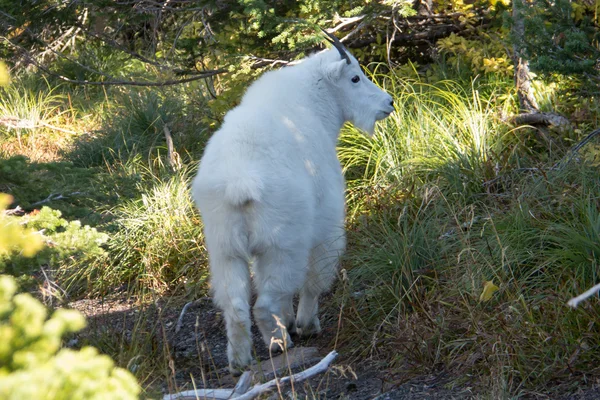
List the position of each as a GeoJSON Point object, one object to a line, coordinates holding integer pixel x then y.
{"type": "Point", "coordinates": [392, 103]}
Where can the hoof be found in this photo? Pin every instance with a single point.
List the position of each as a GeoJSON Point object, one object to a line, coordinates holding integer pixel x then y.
{"type": "Point", "coordinates": [311, 329]}
{"type": "Point", "coordinates": [239, 361]}
{"type": "Point", "coordinates": [237, 370]}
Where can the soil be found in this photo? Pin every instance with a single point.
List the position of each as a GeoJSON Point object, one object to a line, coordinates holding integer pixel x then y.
{"type": "Point", "coordinates": [198, 351]}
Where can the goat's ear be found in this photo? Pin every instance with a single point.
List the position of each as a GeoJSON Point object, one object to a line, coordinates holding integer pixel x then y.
{"type": "Point", "coordinates": [333, 71]}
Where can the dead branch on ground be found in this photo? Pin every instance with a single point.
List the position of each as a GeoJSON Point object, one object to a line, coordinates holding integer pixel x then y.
{"type": "Point", "coordinates": [241, 392]}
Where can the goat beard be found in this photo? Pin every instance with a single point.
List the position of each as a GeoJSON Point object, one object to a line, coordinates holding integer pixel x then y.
{"type": "Point", "coordinates": [366, 126]}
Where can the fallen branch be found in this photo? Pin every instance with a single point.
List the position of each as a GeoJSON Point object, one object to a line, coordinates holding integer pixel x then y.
{"type": "Point", "coordinates": [52, 197]}
{"type": "Point", "coordinates": [17, 123]}
{"type": "Point", "coordinates": [184, 310]}
{"type": "Point", "coordinates": [18, 211]}
{"type": "Point", "coordinates": [540, 118]}
{"type": "Point", "coordinates": [258, 389]}
{"type": "Point", "coordinates": [574, 302]}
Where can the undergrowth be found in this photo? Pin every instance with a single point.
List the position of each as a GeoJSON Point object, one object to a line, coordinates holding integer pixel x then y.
{"type": "Point", "coordinates": [157, 241]}
{"type": "Point", "coordinates": [445, 198]}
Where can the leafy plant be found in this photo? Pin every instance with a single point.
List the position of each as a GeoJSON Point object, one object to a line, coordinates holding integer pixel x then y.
{"type": "Point", "coordinates": [69, 245]}
{"type": "Point", "coordinates": [32, 364]}
{"type": "Point", "coordinates": [560, 36]}
{"type": "Point", "coordinates": [13, 236]}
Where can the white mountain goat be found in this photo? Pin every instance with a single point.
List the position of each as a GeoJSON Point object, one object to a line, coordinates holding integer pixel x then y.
{"type": "Point", "coordinates": [271, 193]}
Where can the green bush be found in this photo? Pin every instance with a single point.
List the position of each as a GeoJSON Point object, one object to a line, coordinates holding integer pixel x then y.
{"type": "Point", "coordinates": [32, 365]}
{"type": "Point", "coordinates": [69, 246]}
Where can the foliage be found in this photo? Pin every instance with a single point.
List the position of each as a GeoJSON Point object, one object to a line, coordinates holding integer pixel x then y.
{"type": "Point", "coordinates": [15, 237]}
{"type": "Point", "coordinates": [560, 36]}
{"type": "Point", "coordinates": [4, 76]}
{"type": "Point", "coordinates": [482, 55]}
{"type": "Point", "coordinates": [69, 245]}
{"type": "Point", "coordinates": [34, 366]}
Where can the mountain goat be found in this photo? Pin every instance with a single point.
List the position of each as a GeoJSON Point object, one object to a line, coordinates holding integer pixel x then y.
{"type": "Point", "coordinates": [270, 191]}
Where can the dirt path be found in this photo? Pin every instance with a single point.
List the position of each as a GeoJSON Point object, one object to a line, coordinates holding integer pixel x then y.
{"type": "Point", "coordinates": [199, 351]}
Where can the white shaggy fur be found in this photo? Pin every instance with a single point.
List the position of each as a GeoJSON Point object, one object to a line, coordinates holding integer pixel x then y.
{"type": "Point", "coordinates": [271, 193]}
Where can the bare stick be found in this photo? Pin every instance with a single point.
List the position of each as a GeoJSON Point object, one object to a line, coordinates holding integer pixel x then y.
{"type": "Point", "coordinates": [48, 199]}
{"type": "Point", "coordinates": [243, 384]}
{"type": "Point", "coordinates": [17, 123]}
{"type": "Point", "coordinates": [258, 389]}
{"type": "Point", "coordinates": [345, 22]}
{"type": "Point", "coordinates": [180, 319]}
{"type": "Point", "coordinates": [319, 368]}
{"type": "Point", "coordinates": [584, 296]}
{"type": "Point", "coordinates": [172, 155]}
{"type": "Point", "coordinates": [540, 118]}
{"type": "Point", "coordinates": [53, 197]}
{"type": "Point", "coordinates": [184, 310]}
{"type": "Point", "coordinates": [15, 211]}
{"type": "Point", "coordinates": [216, 394]}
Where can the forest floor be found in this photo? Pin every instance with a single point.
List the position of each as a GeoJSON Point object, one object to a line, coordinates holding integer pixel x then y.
{"type": "Point", "coordinates": [198, 351]}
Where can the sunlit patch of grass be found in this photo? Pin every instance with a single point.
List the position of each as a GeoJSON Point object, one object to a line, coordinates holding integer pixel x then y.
{"type": "Point", "coordinates": [438, 131]}
{"type": "Point", "coordinates": [38, 121]}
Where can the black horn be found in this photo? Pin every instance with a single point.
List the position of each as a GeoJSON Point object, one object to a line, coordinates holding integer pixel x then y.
{"type": "Point", "coordinates": [337, 44]}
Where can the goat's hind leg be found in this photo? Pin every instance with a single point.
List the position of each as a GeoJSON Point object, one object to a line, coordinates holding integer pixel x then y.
{"type": "Point", "coordinates": [231, 288]}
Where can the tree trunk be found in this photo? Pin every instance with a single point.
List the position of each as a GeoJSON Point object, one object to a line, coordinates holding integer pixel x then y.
{"type": "Point", "coordinates": [527, 101]}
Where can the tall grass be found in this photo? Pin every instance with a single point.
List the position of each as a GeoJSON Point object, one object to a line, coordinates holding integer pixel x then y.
{"type": "Point", "coordinates": [443, 133]}
{"type": "Point", "coordinates": [155, 241]}
{"type": "Point", "coordinates": [440, 205]}
{"type": "Point", "coordinates": [158, 242]}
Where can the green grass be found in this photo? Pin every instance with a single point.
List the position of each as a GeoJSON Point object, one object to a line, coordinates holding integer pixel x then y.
{"type": "Point", "coordinates": [157, 242]}
{"type": "Point", "coordinates": [444, 198]}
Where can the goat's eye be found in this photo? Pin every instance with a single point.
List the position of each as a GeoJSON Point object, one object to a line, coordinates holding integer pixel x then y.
{"type": "Point", "coordinates": [355, 78]}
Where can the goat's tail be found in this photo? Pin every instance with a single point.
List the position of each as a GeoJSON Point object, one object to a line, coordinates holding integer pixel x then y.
{"type": "Point", "coordinates": [243, 189]}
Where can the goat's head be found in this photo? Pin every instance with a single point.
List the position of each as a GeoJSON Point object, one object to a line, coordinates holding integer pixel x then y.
{"type": "Point", "coordinates": [362, 102]}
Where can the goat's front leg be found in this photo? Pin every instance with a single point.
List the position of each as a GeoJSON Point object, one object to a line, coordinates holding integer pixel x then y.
{"type": "Point", "coordinates": [278, 275]}
{"type": "Point", "coordinates": [324, 262]}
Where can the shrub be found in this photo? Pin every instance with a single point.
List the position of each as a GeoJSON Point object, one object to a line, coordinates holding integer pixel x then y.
{"type": "Point", "coordinates": [32, 365]}
{"type": "Point", "coordinates": [70, 245]}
